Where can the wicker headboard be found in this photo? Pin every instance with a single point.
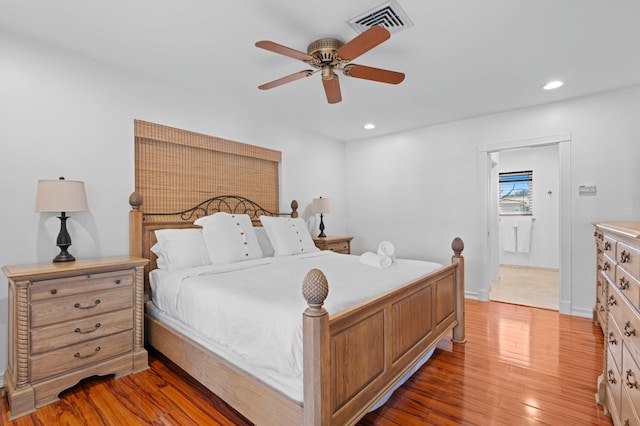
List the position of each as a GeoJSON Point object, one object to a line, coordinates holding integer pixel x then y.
{"type": "Point", "coordinates": [181, 175]}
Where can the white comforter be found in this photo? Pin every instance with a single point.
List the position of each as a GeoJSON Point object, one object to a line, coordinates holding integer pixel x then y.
{"type": "Point", "coordinates": [255, 307]}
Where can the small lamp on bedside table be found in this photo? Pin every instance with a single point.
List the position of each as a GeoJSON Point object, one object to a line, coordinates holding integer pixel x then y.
{"type": "Point", "coordinates": [61, 196]}
{"type": "Point", "coordinates": [322, 206]}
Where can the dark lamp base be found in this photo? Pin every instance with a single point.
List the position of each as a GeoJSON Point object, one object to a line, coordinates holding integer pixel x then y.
{"type": "Point", "coordinates": [64, 256]}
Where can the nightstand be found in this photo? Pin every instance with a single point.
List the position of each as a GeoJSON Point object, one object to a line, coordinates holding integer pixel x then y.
{"type": "Point", "coordinates": [69, 321]}
{"type": "Point", "coordinates": [340, 244]}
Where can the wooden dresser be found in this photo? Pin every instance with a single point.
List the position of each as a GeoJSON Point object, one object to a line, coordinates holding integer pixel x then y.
{"type": "Point", "coordinates": [69, 321]}
{"type": "Point", "coordinates": [618, 313]}
{"type": "Point", "coordinates": [340, 244]}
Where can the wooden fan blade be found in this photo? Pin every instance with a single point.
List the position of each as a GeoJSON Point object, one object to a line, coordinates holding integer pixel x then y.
{"type": "Point", "coordinates": [374, 74]}
{"type": "Point", "coordinates": [332, 90]}
{"type": "Point", "coordinates": [287, 79]}
{"type": "Point", "coordinates": [283, 50]}
{"type": "Point", "coordinates": [363, 43]}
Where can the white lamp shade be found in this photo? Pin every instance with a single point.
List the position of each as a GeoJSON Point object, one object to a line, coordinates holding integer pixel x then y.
{"type": "Point", "coordinates": [321, 205]}
{"type": "Point", "coordinates": [61, 196]}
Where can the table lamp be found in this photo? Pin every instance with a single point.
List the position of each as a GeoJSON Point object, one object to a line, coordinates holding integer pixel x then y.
{"type": "Point", "coordinates": [61, 196]}
{"type": "Point", "coordinates": [322, 206]}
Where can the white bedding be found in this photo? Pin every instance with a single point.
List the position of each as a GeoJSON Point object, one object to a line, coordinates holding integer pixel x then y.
{"type": "Point", "coordinates": [253, 309]}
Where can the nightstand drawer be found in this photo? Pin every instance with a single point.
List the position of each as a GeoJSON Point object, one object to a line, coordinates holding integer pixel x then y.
{"type": "Point", "coordinates": [71, 332]}
{"type": "Point", "coordinates": [61, 287]}
{"type": "Point", "coordinates": [341, 247]}
{"type": "Point", "coordinates": [72, 357]}
{"type": "Point", "coordinates": [80, 306]}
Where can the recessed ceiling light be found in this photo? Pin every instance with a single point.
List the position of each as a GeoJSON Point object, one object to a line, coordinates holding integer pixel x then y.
{"type": "Point", "coordinates": [369, 126]}
{"type": "Point", "coordinates": [553, 85]}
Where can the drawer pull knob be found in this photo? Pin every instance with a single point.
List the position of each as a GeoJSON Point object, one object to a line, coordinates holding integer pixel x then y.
{"type": "Point", "coordinates": [96, 303]}
{"type": "Point", "coordinates": [629, 383]}
{"type": "Point", "coordinates": [607, 246]}
{"type": "Point", "coordinates": [611, 378]}
{"type": "Point", "coordinates": [54, 291]}
{"type": "Point", "coordinates": [624, 283]}
{"type": "Point", "coordinates": [628, 331]}
{"type": "Point", "coordinates": [612, 339]}
{"type": "Point", "coordinates": [612, 301]}
{"type": "Point", "coordinates": [97, 326]}
{"type": "Point", "coordinates": [624, 256]}
{"type": "Point", "coordinates": [606, 266]}
{"type": "Point", "coordinates": [77, 354]}
{"type": "Point", "coordinates": [117, 281]}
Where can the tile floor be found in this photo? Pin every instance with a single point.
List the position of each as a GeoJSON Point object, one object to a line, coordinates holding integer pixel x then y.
{"type": "Point", "coordinates": [520, 285]}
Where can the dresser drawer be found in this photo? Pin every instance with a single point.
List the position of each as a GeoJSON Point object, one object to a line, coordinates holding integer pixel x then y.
{"type": "Point", "coordinates": [614, 341]}
{"type": "Point", "coordinates": [61, 287]}
{"type": "Point", "coordinates": [629, 285]}
{"type": "Point", "coordinates": [629, 258]}
{"type": "Point", "coordinates": [630, 376]}
{"type": "Point", "coordinates": [614, 386]}
{"type": "Point", "coordinates": [80, 305]}
{"type": "Point", "coordinates": [609, 267]}
{"type": "Point", "coordinates": [624, 316]}
{"type": "Point", "coordinates": [609, 246]}
{"type": "Point", "coordinates": [70, 358]}
{"type": "Point", "coordinates": [628, 415]}
{"type": "Point", "coordinates": [71, 332]}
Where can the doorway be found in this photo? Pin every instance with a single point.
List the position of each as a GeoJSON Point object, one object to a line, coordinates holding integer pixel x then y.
{"type": "Point", "coordinates": [488, 158]}
{"type": "Point", "coordinates": [527, 181]}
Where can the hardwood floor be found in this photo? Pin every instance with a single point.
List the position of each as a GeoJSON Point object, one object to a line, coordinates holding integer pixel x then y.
{"type": "Point", "coordinates": [520, 366]}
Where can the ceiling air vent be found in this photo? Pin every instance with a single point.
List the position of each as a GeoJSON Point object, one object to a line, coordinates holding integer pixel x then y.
{"type": "Point", "coordinates": [388, 14]}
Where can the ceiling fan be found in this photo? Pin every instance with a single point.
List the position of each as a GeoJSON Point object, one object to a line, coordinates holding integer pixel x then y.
{"type": "Point", "coordinates": [328, 55]}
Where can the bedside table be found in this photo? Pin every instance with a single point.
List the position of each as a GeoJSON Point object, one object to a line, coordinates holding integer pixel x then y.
{"type": "Point", "coordinates": [69, 321]}
{"type": "Point", "coordinates": [340, 244]}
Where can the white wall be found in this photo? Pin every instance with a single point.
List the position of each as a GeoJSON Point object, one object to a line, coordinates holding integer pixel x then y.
{"type": "Point", "coordinates": [419, 188]}
{"type": "Point", "coordinates": [544, 248]}
{"type": "Point", "coordinates": [66, 115]}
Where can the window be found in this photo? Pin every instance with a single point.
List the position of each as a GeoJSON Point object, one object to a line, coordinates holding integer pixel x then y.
{"type": "Point", "coordinates": [515, 193]}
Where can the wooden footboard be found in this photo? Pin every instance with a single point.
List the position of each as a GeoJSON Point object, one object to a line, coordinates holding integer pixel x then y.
{"type": "Point", "coordinates": [355, 357]}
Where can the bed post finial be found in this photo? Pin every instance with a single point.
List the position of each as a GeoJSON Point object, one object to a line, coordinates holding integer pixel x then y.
{"type": "Point", "coordinates": [135, 200]}
{"type": "Point", "coordinates": [315, 289]}
{"type": "Point", "coordinates": [457, 245]}
{"type": "Point", "coordinates": [294, 209]}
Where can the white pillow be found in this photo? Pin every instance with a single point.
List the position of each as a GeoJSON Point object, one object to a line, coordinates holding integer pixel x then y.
{"type": "Point", "coordinates": [288, 236]}
{"type": "Point", "coordinates": [263, 240]}
{"type": "Point", "coordinates": [229, 237]}
{"type": "Point", "coordinates": [180, 248]}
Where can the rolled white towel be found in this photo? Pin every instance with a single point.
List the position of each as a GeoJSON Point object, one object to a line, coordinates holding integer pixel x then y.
{"type": "Point", "coordinates": [375, 260]}
{"type": "Point", "coordinates": [386, 248]}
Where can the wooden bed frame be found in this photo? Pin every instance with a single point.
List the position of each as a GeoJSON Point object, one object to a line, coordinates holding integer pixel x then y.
{"type": "Point", "coordinates": [351, 359]}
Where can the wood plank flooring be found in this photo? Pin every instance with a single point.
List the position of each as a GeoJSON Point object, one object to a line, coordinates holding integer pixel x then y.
{"type": "Point", "coordinates": [520, 366]}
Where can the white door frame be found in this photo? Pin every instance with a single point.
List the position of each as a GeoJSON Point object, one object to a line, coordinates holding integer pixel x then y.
{"type": "Point", "coordinates": [563, 141]}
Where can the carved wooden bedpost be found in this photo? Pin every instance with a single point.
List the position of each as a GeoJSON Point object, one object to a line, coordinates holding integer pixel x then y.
{"type": "Point", "coordinates": [294, 209]}
{"type": "Point", "coordinates": [315, 348]}
{"type": "Point", "coordinates": [135, 225]}
{"type": "Point", "coordinates": [458, 331]}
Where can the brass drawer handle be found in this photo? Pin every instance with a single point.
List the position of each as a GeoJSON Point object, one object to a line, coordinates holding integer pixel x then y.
{"type": "Point", "coordinates": [606, 266]}
{"type": "Point", "coordinates": [96, 303]}
{"type": "Point", "coordinates": [77, 354]}
{"type": "Point", "coordinates": [607, 246]}
{"type": "Point", "coordinates": [612, 339]}
{"type": "Point", "coordinates": [628, 331]}
{"type": "Point", "coordinates": [612, 301]}
{"type": "Point", "coordinates": [611, 378]}
{"type": "Point", "coordinates": [97, 326]}
{"type": "Point", "coordinates": [628, 382]}
{"type": "Point", "coordinates": [601, 308]}
{"type": "Point", "coordinates": [624, 256]}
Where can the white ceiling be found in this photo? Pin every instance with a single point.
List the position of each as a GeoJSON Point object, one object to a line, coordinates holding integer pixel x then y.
{"type": "Point", "coordinates": [462, 58]}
